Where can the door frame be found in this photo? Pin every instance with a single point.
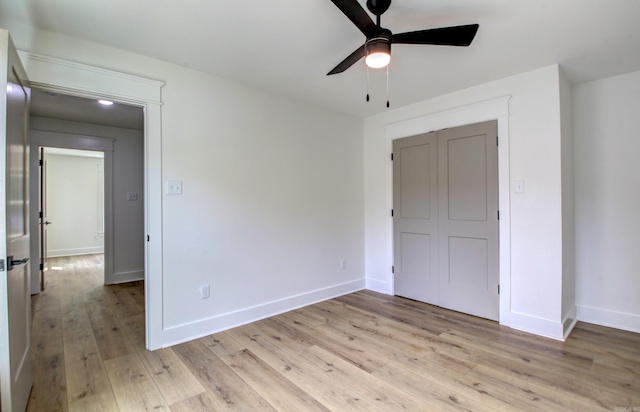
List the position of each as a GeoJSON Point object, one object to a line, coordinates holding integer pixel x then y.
{"type": "Point", "coordinates": [495, 109]}
{"type": "Point", "coordinates": [39, 138]}
{"type": "Point", "coordinates": [81, 80]}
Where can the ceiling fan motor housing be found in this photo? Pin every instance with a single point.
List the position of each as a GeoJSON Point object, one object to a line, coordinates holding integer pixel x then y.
{"type": "Point", "coordinates": [379, 44]}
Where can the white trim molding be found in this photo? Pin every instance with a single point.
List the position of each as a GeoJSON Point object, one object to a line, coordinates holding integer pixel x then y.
{"type": "Point", "coordinates": [130, 276]}
{"type": "Point", "coordinates": [75, 252]}
{"type": "Point", "coordinates": [194, 330]}
{"type": "Point", "coordinates": [82, 80]}
{"type": "Point", "coordinates": [609, 318]}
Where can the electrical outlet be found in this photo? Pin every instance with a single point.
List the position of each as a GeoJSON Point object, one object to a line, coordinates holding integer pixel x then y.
{"type": "Point", "coordinates": [343, 263]}
{"type": "Point", "coordinates": [132, 196]}
{"type": "Point", "coordinates": [204, 291]}
{"type": "Point", "coordinates": [174, 187]}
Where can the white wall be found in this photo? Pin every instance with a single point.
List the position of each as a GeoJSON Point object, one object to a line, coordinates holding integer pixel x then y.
{"type": "Point", "coordinates": [128, 176]}
{"type": "Point", "coordinates": [534, 266]}
{"type": "Point", "coordinates": [74, 205]}
{"type": "Point", "coordinates": [272, 193]}
{"type": "Point", "coordinates": [607, 170]}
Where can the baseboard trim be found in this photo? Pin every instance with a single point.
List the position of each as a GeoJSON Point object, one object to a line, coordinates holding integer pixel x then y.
{"type": "Point", "coordinates": [569, 322]}
{"type": "Point", "coordinates": [538, 326]}
{"type": "Point", "coordinates": [124, 277]}
{"type": "Point", "coordinates": [377, 286]}
{"type": "Point", "coordinates": [186, 332]}
{"type": "Point", "coordinates": [75, 252]}
{"type": "Point", "coordinates": [609, 318]}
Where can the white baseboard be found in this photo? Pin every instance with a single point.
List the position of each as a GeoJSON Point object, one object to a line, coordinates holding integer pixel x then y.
{"type": "Point", "coordinates": [609, 318]}
{"type": "Point", "coordinates": [75, 252]}
{"type": "Point", "coordinates": [538, 326]}
{"type": "Point", "coordinates": [182, 333]}
{"type": "Point", "coordinates": [377, 286]}
{"type": "Point", "coordinates": [124, 277]}
{"type": "Point", "coordinates": [569, 322]}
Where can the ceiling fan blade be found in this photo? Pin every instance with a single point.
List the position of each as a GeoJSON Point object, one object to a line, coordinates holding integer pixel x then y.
{"type": "Point", "coordinates": [349, 61]}
{"type": "Point", "coordinates": [445, 36]}
{"type": "Point", "coordinates": [354, 11]}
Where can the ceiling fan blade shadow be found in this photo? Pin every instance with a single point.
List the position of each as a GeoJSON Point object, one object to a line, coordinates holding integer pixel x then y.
{"type": "Point", "coordinates": [349, 61]}
{"type": "Point", "coordinates": [354, 11]}
{"type": "Point", "coordinates": [445, 36]}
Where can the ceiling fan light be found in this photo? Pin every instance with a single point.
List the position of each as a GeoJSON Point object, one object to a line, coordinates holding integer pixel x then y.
{"type": "Point", "coordinates": [378, 53]}
{"type": "Point", "coordinates": [378, 60]}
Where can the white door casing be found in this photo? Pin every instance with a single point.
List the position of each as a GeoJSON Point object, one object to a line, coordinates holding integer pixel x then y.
{"type": "Point", "coordinates": [62, 76]}
{"type": "Point", "coordinates": [15, 301]}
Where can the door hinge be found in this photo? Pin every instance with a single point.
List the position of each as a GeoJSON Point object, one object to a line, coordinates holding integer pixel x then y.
{"type": "Point", "coordinates": [498, 289]}
{"type": "Point", "coordinates": [40, 162]}
{"type": "Point", "coordinates": [393, 269]}
{"type": "Point", "coordinates": [498, 215]}
{"type": "Point", "coordinates": [40, 215]}
{"type": "Point", "coordinates": [147, 238]}
{"type": "Point", "coordinates": [496, 140]}
{"type": "Point", "coordinates": [391, 212]}
{"type": "Point", "coordinates": [392, 157]}
{"type": "Point", "coordinates": [41, 266]}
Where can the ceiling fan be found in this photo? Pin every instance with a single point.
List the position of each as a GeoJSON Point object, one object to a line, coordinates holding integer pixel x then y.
{"type": "Point", "coordinates": [377, 48]}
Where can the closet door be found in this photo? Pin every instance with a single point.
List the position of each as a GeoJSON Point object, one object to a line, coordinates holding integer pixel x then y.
{"type": "Point", "coordinates": [468, 219]}
{"type": "Point", "coordinates": [415, 217]}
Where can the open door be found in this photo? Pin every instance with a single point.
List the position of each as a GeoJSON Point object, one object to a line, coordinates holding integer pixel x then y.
{"type": "Point", "coordinates": [15, 298]}
{"type": "Point", "coordinates": [44, 223]}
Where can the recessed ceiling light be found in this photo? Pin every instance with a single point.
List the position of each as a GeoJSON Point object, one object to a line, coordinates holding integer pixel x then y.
{"type": "Point", "coordinates": [105, 102]}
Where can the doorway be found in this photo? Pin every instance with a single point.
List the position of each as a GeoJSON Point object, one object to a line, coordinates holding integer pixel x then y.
{"type": "Point", "coordinates": [116, 132]}
{"type": "Point", "coordinates": [63, 76]}
{"type": "Point", "coordinates": [71, 206]}
{"type": "Point", "coordinates": [446, 232]}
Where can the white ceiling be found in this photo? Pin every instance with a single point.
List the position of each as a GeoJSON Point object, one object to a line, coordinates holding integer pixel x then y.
{"type": "Point", "coordinates": [288, 46]}
{"type": "Point", "coordinates": [57, 106]}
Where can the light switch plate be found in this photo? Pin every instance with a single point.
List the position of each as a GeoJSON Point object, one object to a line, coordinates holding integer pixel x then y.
{"type": "Point", "coordinates": [518, 186]}
{"type": "Point", "coordinates": [132, 196]}
{"type": "Point", "coordinates": [174, 187]}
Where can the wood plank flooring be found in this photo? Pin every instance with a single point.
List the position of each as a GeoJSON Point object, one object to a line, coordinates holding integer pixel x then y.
{"type": "Point", "coordinates": [364, 351]}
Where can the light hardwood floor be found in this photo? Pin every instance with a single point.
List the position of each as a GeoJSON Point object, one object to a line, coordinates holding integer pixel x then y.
{"type": "Point", "coordinates": [363, 351]}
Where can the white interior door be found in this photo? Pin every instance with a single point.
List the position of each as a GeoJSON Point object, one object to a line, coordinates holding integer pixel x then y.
{"type": "Point", "coordinates": [42, 214]}
{"type": "Point", "coordinates": [15, 298]}
{"type": "Point", "coordinates": [415, 217]}
{"type": "Point", "coordinates": [468, 219]}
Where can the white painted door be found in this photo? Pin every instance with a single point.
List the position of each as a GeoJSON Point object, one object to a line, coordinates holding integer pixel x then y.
{"type": "Point", "coordinates": [415, 217]}
{"type": "Point", "coordinates": [15, 299]}
{"type": "Point", "coordinates": [468, 219]}
{"type": "Point", "coordinates": [42, 220]}
{"type": "Point", "coordinates": [445, 197]}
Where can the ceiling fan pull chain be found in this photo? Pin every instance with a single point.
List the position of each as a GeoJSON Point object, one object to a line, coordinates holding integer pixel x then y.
{"type": "Point", "coordinates": [387, 86]}
{"type": "Point", "coordinates": [367, 77]}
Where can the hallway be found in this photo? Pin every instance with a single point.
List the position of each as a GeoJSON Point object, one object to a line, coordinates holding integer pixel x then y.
{"type": "Point", "coordinates": [79, 327]}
